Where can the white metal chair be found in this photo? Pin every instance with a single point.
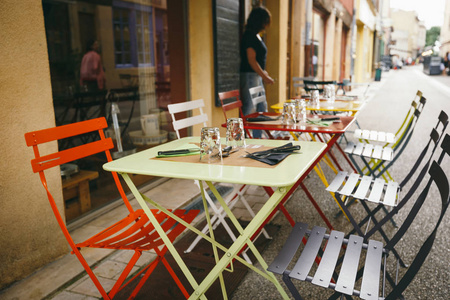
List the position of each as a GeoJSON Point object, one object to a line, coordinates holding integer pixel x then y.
{"type": "Point", "coordinates": [258, 94]}
{"type": "Point", "coordinates": [374, 156]}
{"type": "Point", "coordinates": [238, 190]}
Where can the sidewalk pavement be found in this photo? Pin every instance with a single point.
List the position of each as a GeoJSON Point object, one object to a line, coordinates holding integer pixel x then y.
{"type": "Point", "coordinates": [65, 278]}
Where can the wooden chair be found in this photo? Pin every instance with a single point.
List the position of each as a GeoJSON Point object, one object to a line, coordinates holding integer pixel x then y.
{"type": "Point", "coordinates": [134, 232]}
{"type": "Point", "coordinates": [238, 190]}
{"type": "Point", "coordinates": [342, 275]}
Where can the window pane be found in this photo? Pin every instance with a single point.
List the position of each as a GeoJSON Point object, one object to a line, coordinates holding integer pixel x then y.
{"type": "Point", "coordinates": [126, 47]}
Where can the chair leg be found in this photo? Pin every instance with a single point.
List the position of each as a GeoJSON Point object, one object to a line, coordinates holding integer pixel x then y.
{"type": "Point", "coordinates": [291, 286]}
{"type": "Point", "coordinates": [381, 231]}
{"type": "Point", "coordinates": [218, 217]}
{"type": "Point", "coordinates": [117, 286]}
{"type": "Point", "coordinates": [90, 273]}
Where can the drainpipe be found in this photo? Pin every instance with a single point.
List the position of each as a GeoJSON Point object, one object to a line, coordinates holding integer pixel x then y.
{"type": "Point", "coordinates": [308, 37]}
{"type": "Point", "coordinates": [353, 45]}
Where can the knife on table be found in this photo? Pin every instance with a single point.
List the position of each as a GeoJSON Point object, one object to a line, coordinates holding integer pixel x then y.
{"type": "Point", "coordinates": [179, 152]}
{"type": "Point", "coordinates": [330, 119]}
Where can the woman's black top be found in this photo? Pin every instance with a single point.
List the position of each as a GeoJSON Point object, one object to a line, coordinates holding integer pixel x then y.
{"type": "Point", "coordinates": [250, 40]}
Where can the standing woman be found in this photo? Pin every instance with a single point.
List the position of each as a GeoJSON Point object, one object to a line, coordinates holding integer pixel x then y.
{"type": "Point", "coordinates": [253, 60]}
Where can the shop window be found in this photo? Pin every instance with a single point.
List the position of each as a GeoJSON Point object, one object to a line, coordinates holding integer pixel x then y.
{"type": "Point", "coordinates": [135, 43]}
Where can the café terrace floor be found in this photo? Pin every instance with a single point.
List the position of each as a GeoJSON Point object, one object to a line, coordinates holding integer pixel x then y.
{"type": "Point", "coordinates": [65, 278]}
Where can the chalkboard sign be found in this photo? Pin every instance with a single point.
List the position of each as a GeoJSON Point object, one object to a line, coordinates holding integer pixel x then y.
{"type": "Point", "coordinates": [226, 46]}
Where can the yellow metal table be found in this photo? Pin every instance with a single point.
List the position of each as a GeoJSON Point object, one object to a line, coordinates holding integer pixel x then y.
{"type": "Point", "coordinates": [285, 176]}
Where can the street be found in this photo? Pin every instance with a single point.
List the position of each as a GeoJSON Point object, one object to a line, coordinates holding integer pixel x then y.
{"type": "Point", "coordinates": [389, 101]}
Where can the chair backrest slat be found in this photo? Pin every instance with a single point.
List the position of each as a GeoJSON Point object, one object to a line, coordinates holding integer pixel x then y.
{"type": "Point", "coordinates": [65, 131]}
{"type": "Point", "coordinates": [188, 106]}
{"type": "Point", "coordinates": [185, 106]}
{"type": "Point", "coordinates": [58, 158]}
{"type": "Point", "coordinates": [258, 94]}
{"type": "Point", "coordinates": [190, 121]}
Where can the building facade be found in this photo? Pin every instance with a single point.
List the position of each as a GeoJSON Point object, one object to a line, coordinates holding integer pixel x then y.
{"type": "Point", "coordinates": [409, 34]}
{"type": "Point", "coordinates": [154, 52]}
{"type": "Point", "coordinates": [445, 31]}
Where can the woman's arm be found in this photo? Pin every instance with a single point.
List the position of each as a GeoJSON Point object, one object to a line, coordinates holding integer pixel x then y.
{"type": "Point", "coordinates": [251, 56]}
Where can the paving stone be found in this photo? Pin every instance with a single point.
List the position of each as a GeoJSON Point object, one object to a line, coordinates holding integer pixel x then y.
{"type": "Point", "coordinates": [85, 286]}
{"type": "Point", "coordinates": [65, 295]}
{"type": "Point", "coordinates": [125, 256]}
{"type": "Point", "coordinates": [109, 269]}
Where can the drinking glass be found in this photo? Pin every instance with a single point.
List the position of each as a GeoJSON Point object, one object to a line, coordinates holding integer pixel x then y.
{"type": "Point", "coordinates": [331, 96]}
{"type": "Point", "coordinates": [210, 149]}
{"type": "Point", "coordinates": [235, 133]}
{"type": "Point", "coordinates": [301, 110]}
{"type": "Point", "coordinates": [289, 115]}
{"type": "Point", "coordinates": [326, 91]}
{"type": "Point", "coordinates": [315, 100]}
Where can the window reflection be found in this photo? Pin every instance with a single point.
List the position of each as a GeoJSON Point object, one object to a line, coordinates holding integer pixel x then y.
{"type": "Point", "coordinates": [133, 44]}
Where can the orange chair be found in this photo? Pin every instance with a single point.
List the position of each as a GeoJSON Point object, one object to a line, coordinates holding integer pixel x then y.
{"type": "Point", "coordinates": [134, 232]}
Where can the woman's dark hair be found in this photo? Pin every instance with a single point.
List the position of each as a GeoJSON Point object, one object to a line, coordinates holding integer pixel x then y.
{"type": "Point", "coordinates": [258, 19]}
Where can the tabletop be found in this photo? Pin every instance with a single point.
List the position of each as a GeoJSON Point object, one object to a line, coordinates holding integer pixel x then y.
{"type": "Point", "coordinates": [333, 128]}
{"type": "Point", "coordinates": [285, 173]}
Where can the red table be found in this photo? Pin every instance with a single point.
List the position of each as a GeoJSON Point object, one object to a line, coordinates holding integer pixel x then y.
{"type": "Point", "coordinates": [329, 134]}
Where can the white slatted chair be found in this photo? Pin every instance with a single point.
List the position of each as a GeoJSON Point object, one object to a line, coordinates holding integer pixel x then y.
{"type": "Point", "coordinates": [258, 95]}
{"type": "Point", "coordinates": [378, 191]}
{"type": "Point", "coordinates": [374, 156]}
{"type": "Point", "coordinates": [238, 190]}
{"type": "Point", "coordinates": [388, 137]}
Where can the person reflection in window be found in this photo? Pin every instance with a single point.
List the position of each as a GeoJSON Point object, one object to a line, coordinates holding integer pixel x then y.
{"type": "Point", "coordinates": [92, 75]}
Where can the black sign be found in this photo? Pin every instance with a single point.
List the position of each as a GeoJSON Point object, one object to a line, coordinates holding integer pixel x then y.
{"type": "Point", "coordinates": [226, 46]}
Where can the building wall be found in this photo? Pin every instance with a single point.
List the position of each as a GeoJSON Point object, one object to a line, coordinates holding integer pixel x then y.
{"type": "Point", "coordinates": [276, 40]}
{"type": "Point", "coordinates": [201, 61]}
{"type": "Point", "coordinates": [297, 52]}
{"type": "Point", "coordinates": [408, 33]}
{"type": "Point", "coordinates": [30, 236]}
{"type": "Point", "coordinates": [348, 4]}
{"type": "Point", "coordinates": [365, 21]}
{"type": "Point", "coordinates": [445, 30]}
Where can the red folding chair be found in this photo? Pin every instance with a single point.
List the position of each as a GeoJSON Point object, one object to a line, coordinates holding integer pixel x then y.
{"type": "Point", "coordinates": [134, 232]}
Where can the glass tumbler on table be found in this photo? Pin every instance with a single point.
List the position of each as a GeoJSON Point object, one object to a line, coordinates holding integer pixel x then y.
{"type": "Point", "coordinates": [301, 110]}
{"type": "Point", "coordinates": [289, 115]}
{"type": "Point", "coordinates": [331, 96]}
{"type": "Point", "coordinates": [315, 100]}
{"type": "Point", "coordinates": [235, 133]}
{"type": "Point", "coordinates": [210, 148]}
